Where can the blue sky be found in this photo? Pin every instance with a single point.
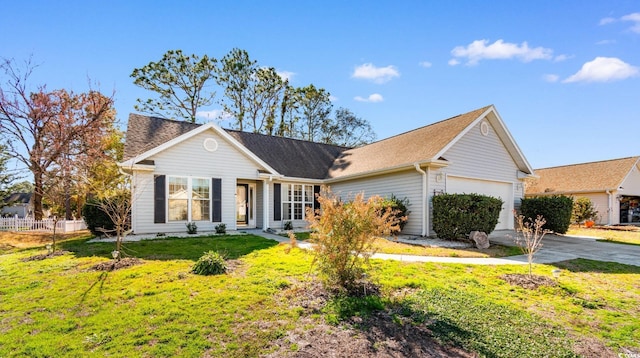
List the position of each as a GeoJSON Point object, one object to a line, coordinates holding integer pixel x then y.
{"type": "Point", "coordinates": [564, 75]}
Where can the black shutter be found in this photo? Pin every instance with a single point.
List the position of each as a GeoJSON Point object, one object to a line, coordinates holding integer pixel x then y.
{"type": "Point", "coordinates": [316, 192]}
{"type": "Point", "coordinates": [159, 199]}
{"type": "Point", "coordinates": [216, 207]}
{"type": "Point", "coordinates": [277, 206]}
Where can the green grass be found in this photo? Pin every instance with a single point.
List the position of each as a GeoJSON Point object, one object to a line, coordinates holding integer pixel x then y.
{"type": "Point", "coordinates": [627, 237]}
{"type": "Point", "coordinates": [57, 307]}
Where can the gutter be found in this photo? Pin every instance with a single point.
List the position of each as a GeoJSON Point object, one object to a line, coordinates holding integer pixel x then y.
{"type": "Point", "coordinates": [425, 202]}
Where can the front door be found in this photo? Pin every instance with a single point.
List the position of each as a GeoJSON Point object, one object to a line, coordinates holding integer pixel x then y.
{"type": "Point", "coordinates": [242, 204]}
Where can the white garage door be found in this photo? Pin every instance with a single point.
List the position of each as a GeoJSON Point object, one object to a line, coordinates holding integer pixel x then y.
{"type": "Point", "coordinates": [500, 190]}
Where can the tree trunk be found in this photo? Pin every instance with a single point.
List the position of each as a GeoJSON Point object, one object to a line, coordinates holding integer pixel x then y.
{"type": "Point", "coordinates": [37, 196]}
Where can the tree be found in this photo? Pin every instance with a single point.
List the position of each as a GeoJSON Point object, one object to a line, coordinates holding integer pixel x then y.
{"type": "Point", "coordinates": [347, 130]}
{"type": "Point", "coordinates": [266, 97]}
{"type": "Point", "coordinates": [45, 129]}
{"type": "Point", "coordinates": [235, 75]}
{"type": "Point", "coordinates": [314, 108]}
{"type": "Point", "coordinates": [5, 176]}
{"type": "Point", "coordinates": [288, 112]}
{"type": "Point", "coordinates": [530, 236]}
{"type": "Point", "coordinates": [180, 82]}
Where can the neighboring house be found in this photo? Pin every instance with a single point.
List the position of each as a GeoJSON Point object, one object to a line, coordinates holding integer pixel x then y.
{"type": "Point", "coordinates": [18, 204]}
{"type": "Point", "coordinates": [185, 172]}
{"type": "Point", "coordinates": [612, 185]}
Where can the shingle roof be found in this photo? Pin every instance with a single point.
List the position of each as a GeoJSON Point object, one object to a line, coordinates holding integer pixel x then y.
{"type": "Point", "coordinates": [302, 159]}
{"type": "Point", "coordinates": [404, 149]}
{"type": "Point", "coordinates": [584, 177]}
{"type": "Point", "coordinates": [145, 133]}
{"type": "Point", "coordinates": [18, 198]}
{"type": "Point", "coordinates": [290, 157]}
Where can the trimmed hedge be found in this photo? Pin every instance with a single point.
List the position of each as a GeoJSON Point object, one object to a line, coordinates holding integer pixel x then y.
{"type": "Point", "coordinates": [96, 218]}
{"type": "Point", "coordinates": [556, 210]}
{"type": "Point", "coordinates": [456, 215]}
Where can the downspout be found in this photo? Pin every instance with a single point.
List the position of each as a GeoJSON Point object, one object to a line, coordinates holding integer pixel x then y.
{"type": "Point", "coordinates": [425, 202]}
{"type": "Point", "coordinates": [610, 209]}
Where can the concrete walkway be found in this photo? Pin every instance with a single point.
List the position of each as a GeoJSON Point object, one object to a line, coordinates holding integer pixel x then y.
{"type": "Point", "coordinates": [555, 248]}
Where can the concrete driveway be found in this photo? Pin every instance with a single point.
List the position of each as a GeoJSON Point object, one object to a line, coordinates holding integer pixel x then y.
{"type": "Point", "coordinates": [559, 248]}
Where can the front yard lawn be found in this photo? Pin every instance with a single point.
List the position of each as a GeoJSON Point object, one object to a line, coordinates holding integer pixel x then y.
{"type": "Point", "coordinates": [629, 237]}
{"type": "Point", "coordinates": [59, 307]}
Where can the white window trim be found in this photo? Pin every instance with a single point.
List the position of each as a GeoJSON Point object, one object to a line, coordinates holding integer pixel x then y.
{"type": "Point", "coordinates": [189, 197]}
{"type": "Point", "coordinates": [287, 188]}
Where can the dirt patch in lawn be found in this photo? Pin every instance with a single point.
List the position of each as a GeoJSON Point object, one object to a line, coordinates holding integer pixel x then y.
{"type": "Point", "coordinates": [117, 265]}
{"type": "Point", "coordinates": [41, 257]}
{"type": "Point", "coordinates": [380, 334]}
{"type": "Point", "coordinates": [530, 282]}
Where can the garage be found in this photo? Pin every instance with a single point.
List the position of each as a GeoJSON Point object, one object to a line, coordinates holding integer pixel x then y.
{"type": "Point", "coordinates": [502, 190]}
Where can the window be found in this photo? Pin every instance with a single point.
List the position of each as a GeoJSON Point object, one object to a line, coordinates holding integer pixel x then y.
{"type": "Point", "coordinates": [295, 199]}
{"type": "Point", "coordinates": [189, 199]}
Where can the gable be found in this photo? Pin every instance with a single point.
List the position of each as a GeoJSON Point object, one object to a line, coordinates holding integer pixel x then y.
{"type": "Point", "coordinates": [631, 184]}
{"type": "Point", "coordinates": [481, 153]}
{"type": "Point", "coordinates": [205, 154]}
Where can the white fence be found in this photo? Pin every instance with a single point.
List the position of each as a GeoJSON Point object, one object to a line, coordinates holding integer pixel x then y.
{"type": "Point", "coordinates": [62, 226]}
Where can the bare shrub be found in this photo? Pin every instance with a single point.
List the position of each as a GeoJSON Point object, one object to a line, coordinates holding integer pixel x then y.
{"type": "Point", "coordinates": [529, 234]}
{"type": "Point", "coordinates": [344, 233]}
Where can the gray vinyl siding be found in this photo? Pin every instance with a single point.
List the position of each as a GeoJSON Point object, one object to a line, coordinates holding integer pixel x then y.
{"type": "Point", "coordinates": [601, 202]}
{"type": "Point", "coordinates": [401, 184]}
{"type": "Point", "coordinates": [190, 159]}
{"type": "Point", "coordinates": [484, 157]}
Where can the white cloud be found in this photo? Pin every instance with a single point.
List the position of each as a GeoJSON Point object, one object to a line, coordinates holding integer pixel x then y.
{"type": "Point", "coordinates": [500, 50]}
{"type": "Point", "coordinates": [215, 114]}
{"type": "Point", "coordinates": [635, 18]}
{"type": "Point", "coordinates": [605, 42]}
{"type": "Point", "coordinates": [604, 69]}
{"type": "Point", "coordinates": [370, 72]}
{"type": "Point", "coordinates": [453, 62]}
{"type": "Point", "coordinates": [561, 58]}
{"type": "Point", "coordinates": [606, 20]}
{"type": "Point", "coordinates": [425, 64]}
{"type": "Point", "coordinates": [333, 98]}
{"type": "Point", "coordinates": [285, 75]}
{"type": "Point", "coordinates": [375, 97]}
{"type": "Point", "coordinates": [551, 78]}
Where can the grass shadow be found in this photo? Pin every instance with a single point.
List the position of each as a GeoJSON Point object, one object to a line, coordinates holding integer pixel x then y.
{"type": "Point", "coordinates": [100, 281]}
{"type": "Point", "coordinates": [585, 265]}
{"type": "Point", "coordinates": [188, 248]}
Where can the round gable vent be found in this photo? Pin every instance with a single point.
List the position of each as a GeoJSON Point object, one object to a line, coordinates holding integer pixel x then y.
{"type": "Point", "coordinates": [484, 128]}
{"type": "Point", "coordinates": [210, 145]}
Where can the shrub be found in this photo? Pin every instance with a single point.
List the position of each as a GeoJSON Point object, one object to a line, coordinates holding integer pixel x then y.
{"type": "Point", "coordinates": [401, 209]}
{"type": "Point", "coordinates": [192, 228]}
{"type": "Point", "coordinates": [344, 234]}
{"type": "Point", "coordinates": [288, 225]}
{"type": "Point", "coordinates": [95, 218]}
{"type": "Point", "coordinates": [221, 228]}
{"type": "Point", "coordinates": [556, 210]}
{"type": "Point", "coordinates": [583, 210]}
{"type": "Point", "coordinates": [211, 263]}
{"type": "Point", "coordinates": [456, 215]}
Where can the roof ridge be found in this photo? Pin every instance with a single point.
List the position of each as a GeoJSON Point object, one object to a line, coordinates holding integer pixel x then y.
{"type": "Point", "coordinates": [427, 125]}
{"type": "Point", "coordinates": [285, 138]}
{"type": "Point", "coordinates": [594, 162]}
